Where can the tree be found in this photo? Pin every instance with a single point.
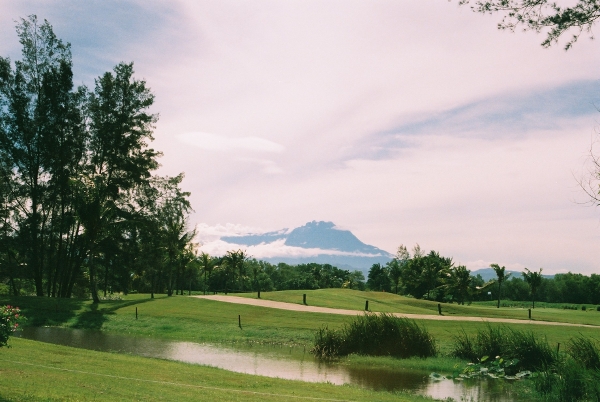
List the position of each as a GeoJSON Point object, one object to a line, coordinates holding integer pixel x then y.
{"type": "Point", "coordinates": [395, 271]}
{"type": "Point", "coordinates": [534, 280]}
{"type": "Point", "coordinates": [378, 278]}
{"type": "Point", "coordinates": [543, 15]}
{"type": "Point", "coordinates": [458, 283]}
{"type": "Point", "coordinates": [502, 276]}
{"type": "Point", "coordinates": [206, 265]}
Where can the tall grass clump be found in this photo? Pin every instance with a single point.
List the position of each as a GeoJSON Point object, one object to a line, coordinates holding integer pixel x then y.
{"type": "Point", "coordinates": [585, 352]}
{"type": "Point", "coordinates": [376, 335]}
{"type": "Point", "coordinates": [532, 353]}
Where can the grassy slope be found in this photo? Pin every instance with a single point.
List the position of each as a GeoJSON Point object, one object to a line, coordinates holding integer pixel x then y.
{"type": "Point", "coordinates": [34, 371]}
{"type": "Point", "coordinates": [388, 302]}
{"type": "Point", "coordinates": [198, 320]}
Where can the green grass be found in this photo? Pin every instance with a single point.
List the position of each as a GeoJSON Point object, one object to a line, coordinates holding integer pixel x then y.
{"type": "Point", "coordinates": [391, 303]}
{"type": "Point", "coordinates": [205, 321]}
{"type": "Point", "coordinates": [34, 371]}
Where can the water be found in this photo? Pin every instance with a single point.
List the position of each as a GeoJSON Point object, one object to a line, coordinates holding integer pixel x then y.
{"type": "Point", "coordinates": [280, 362]}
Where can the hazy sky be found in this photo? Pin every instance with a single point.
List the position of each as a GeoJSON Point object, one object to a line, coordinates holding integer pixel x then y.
{"type": "Point", "coordinates": [403, 121]}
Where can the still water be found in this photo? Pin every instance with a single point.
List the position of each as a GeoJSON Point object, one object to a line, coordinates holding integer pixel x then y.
{"type": "Point", "coordinates": [280, 362]}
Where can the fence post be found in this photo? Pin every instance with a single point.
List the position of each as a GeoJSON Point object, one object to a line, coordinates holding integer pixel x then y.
{"type": "Point", "coordinates": [530, 314]}
{"type": "Point", "coordinates": [439, 309]}
{"type": "Point", "coordinates": [304, 299]}
{"type": "Point", "coordinates": [240, 321]}
{"type": "Point", "coordinates": [366, 305]}
{"type": "Point", "coordinates": [136, 313]}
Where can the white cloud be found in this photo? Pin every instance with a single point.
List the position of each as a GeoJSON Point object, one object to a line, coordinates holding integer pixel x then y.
{"type": "Point", "coordinates": [273, 249]}
{"type": "Point", "coordinates": [214, 142]}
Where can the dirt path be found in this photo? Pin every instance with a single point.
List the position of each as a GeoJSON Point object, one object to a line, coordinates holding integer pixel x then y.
{"type": "Point", "coordinates": [326, 310]}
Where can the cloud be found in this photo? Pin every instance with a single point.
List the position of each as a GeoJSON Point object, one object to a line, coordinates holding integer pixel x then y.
{"type": "Point", "coordinates": [215, 142]}
{"type": "Point", "coordinates": [513, 115]}
{"type": "Point", "coordinates": [208, 233]}
{"type": "Point", "coordinates": [274, 249]}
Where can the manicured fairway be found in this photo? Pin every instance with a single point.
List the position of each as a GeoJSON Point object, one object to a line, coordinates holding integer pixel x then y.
{"type": "Point", "coordinates": [34, 371]}
{"type": "Point", "coordinates": [388, 302]}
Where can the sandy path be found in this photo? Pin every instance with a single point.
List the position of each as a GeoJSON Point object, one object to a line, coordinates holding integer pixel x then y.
{"type": "Point", "coordinates": [326, 310]}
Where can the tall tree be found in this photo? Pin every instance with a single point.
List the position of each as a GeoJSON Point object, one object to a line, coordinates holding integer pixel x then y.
{"type": "Point", "coordinates": [41, 141]}
{"type": "Point", "coordinates": [543, 15]}
{"type": "Point", "coordinates": [534, 280]}
{"type": "Point", "coordinates": [501, 276]}
{"type": "Point", "coordinates": [206, 265]}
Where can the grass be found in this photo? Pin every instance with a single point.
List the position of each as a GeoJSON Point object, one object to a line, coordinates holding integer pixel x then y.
{"type": "Point", "coordinates": [205, 321]}
{"type": "Point", "coordinates": [31, 371]}
{"type": "Point", "coordinates": [389, 302]}
{"type": "Point", "coordinates": [375, 335]}
{"type": "Point", "coordinates": [532, 351]}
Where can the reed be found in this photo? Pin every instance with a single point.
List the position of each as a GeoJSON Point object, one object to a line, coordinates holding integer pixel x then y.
{"type": "Point", "coordinates": [533, 353]}
{"type": "Point", "coordinates": [375, 335]}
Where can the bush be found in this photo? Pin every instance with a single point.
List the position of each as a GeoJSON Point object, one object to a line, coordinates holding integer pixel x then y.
{"type": "Point", "coordinates": [584, 352]}
{"type": "Point", "coordinates": [9, 322]}
{"type": "Point", "coordinates": [375, 335]}
{"type": "Point", "coordinates": [508, 343]}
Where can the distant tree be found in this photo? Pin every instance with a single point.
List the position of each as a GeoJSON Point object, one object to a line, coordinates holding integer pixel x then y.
{"type": "Point", "coordinates": [534, 280]}
{"type": "Point", "coordinates": [543, 15]}
{"type": "Point", "coordinates": [206, 266]}
{"type": "Point", "coordinates": [501, 277]}
{"type": "Point", "coordinates": [378, 278]}
{"type": "Point", "coordinates": [458, 283]}
{"type": "Point", "coordinates": [435, 268]}
{"type": "Point", "coordinates": [395, 271]}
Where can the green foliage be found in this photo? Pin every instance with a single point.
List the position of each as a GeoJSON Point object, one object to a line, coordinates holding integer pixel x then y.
{"type": "Point", "coordinates": [378, 278]}
{"type": "Point", "coordinates": [79, 207]}
{"type": "Point", "coordinates": [584, 351]}
{"type": "Point", "coordinates": [543, 15]}
{"type": "Point", "coordinates": [10, 317]}
{"type": "Point", "coordinates": [529, 350]}
{"type": "Point", "coordinates": [375, 335]}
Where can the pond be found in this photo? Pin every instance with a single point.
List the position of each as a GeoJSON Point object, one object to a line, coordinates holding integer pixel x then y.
{"type": "Point", "coordinates": [276, 361]}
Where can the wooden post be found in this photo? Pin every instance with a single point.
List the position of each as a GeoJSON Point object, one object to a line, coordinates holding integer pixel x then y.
{"type": "Point", "coordinates": [439, 309]}
{"type": "Point", "coordinates": [240, 321]}
{"type": "Point", "coordinates": [304, 299]}
{"type": "Point", "coordinates": [259, 294]}
{"type": "Point", "coordinates": [530, 314]}
{"type": "Point", "coordinates": [366, 305]}
{"type": "Point", "coordinates": [557, 348]}
{"type": "Point", "coordinates": [136, 313]}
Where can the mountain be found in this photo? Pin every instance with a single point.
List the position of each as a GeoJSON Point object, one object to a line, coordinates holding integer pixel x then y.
{"type": "Point", "coordinates": [322, 243]}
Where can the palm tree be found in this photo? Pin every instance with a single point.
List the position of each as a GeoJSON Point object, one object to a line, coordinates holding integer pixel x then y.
{"type": "Point", "coordinates": [502, 276]}
{"type": "Point", "coordinates": [534, 280]}
{"type": "Point", "coordinates": [458, 282]}
{"type": "Point", "coordinates": [207, 263]}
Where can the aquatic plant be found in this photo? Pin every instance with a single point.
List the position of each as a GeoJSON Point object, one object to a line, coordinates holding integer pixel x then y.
{"type": "Point", "coordinates": [375, 335]}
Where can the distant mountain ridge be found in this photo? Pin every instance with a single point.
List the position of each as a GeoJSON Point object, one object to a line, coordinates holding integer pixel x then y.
{"type": "Point", "coordinates": [336, 246]}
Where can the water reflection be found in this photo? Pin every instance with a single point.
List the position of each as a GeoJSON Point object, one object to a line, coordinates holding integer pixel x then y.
{"type": "Point", "coordinates": [284, 363]}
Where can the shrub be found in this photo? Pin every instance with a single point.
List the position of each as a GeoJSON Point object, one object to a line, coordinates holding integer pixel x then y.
{"type": "Point", "coordinates": [584, 352]}
{"type": "Point", "coordinates": [508, 343]}
{"type": "Point", "coordinates": [375, 335]}
{"type": "Point", "coordinates": [9, 322]}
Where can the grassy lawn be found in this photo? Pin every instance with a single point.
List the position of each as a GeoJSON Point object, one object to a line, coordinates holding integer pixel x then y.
{"type": "Point", "coordinates": [388, 302]}
{"type": "Point", "coordinates": [198, 320]}
{"type": "Point", "coordinates": [34, 371]}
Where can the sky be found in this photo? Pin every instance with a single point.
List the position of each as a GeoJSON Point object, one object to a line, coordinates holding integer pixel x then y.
{"type": "Point", "coordinates": [403, 121]}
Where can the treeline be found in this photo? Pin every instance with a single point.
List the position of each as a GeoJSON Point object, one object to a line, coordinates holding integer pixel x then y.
{"type": "Point", "coordinates": [235, 272]}
{"type": "Point", "coordinates": [426, 276]}
{"type": "Point", "coordinates": [80, 209]}
{"type": "Point", "coordinates": [566, 288]}
{"type": "Point", "coordinates": [433, 277]}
